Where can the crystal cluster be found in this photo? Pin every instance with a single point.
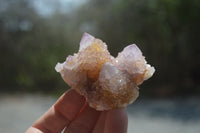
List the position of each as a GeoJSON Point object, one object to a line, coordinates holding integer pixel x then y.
{"type": "Point", "coordinates": [105, 81]}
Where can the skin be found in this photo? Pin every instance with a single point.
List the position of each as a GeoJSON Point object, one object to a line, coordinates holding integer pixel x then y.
{"type": "Point", "coordinates": [72, 112]}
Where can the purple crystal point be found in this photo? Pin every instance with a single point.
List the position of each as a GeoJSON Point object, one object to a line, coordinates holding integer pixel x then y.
{"type": "Point", "coordinates": [131, 52]}
{"type": "Point", "coordinates": [131, 60]}
{"type": "Point", "coordinates": [86, 41]}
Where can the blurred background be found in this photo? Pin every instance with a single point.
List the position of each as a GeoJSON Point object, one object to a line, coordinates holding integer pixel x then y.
{"type": "Point", "coordinates": [35, 35]}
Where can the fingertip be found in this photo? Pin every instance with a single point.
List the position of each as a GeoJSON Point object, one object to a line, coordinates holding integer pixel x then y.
{"type": "Point", "coordinates": [116, 121]}
{"type": "Point", "coordinates": [100, 124]}
{"type": "Point", "coordinates": [33, 130]}
{"type": "Point", "coordinates": [69, 104]}
{"type": "Point", "coordinates": [85, 121]}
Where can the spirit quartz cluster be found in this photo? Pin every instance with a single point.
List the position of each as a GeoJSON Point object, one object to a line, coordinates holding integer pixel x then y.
{"type": "Point", "coordinates": [105, 81]}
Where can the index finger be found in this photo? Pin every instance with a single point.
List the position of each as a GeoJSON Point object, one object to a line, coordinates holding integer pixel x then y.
{"type": "Point", "coordinates": [60, 114]}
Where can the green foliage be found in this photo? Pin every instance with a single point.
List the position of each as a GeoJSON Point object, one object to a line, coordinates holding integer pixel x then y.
{"type": "Point", "coordinates": [167, 32]}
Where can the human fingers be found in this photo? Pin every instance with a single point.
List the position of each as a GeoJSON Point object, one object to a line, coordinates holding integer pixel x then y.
{"type": "Point", "coordinates": [99, 127]}
{"type": "Point", "coordinates": [116, 121]}
{"type": "Point", "coordinates": [84, 122]}
{"type": "Point", "coordinates": [60, 114]}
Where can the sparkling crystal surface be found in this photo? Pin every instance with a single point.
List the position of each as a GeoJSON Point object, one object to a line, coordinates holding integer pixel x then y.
{"type": "Point", "coordinates": [105, 81]}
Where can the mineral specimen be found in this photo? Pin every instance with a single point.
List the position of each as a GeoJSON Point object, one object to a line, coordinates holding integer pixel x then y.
{"type": "Point", "coordinates": [105, 81]}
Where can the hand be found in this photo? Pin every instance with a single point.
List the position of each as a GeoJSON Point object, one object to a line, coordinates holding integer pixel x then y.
{"type": "Point", "coordinates": [72, 112]}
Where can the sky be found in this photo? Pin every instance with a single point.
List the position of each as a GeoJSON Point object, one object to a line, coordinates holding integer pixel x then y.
{"type": "Point", "coordinates": [44, 8]}
{"type": "Point", "coordinates": [47, 7]}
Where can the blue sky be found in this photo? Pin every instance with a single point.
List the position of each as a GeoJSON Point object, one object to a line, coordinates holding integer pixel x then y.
{"type": "Point", "coordinates": [47, 7]}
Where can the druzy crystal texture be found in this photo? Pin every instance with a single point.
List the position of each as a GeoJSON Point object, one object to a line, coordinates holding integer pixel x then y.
{"type": "Point", "coordinates": [105, 81]}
